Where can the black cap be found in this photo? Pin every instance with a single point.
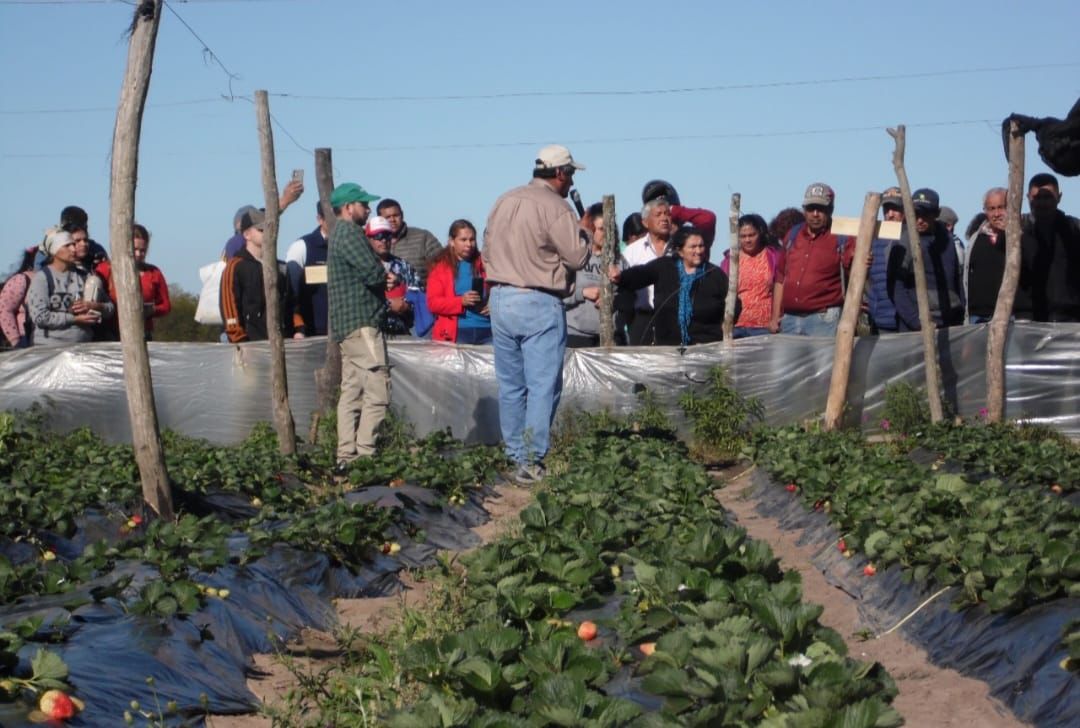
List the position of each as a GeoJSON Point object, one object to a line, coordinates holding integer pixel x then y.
{"type": "Point", "coordinates": [926, 199]}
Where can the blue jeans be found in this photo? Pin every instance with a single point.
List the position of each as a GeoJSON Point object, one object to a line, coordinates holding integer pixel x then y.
{"type": "Point", "coordinates": [822, 323]}
{"type": "Point", "coordinates": [741, 332]}
{"type": "Point", "coordinates": [528, 331]}
{"type": "Point", "coordinates": [975, 319]}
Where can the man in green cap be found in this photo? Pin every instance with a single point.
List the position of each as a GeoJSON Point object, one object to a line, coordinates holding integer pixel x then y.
{"type": "Point", "coordinates": [356, 286]}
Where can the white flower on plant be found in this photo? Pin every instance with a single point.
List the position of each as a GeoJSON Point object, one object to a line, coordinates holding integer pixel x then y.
{"type": "Point", "coordinates": [799, 660]}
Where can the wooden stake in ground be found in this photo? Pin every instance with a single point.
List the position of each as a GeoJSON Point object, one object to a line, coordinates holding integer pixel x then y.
{"type": "Point", "coordinates": [328, 378]}
{"type": "Point", "coordinates": [279, 388]}
{"type": "Point", "coordinates": [849, 318]}
{"type": "Point", "coordinates": [607, 259]}
{"type": "Point", "coordinates": [926, 323]}
{"type": "Point", "coordinates": [999, 324]}
{"type": "Point", "coordinates": [728, 327]}
{"type": "Point", "coordinates": [145, 436]}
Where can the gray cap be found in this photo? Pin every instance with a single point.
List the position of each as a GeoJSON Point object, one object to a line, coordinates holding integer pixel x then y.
{"type": "Point", "coordinates": [948, 215]}
{"type": "Point", "coordinates": [245, 210]}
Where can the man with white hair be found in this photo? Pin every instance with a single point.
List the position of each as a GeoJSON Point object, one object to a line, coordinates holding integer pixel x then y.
{"type": "Point", "coordinates": [986, 258]}
{"type": "Point", "coordinates": [530, 242]}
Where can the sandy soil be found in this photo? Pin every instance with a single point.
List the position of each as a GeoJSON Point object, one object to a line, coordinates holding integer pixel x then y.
{"type": "Point", "coordinates": [314, 648]}
{"type": "Point", "coordinates": [929, 696]}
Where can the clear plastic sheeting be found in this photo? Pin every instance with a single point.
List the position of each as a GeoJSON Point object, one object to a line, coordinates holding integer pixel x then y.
{"type": "Point", "coordinates": [219, 391]}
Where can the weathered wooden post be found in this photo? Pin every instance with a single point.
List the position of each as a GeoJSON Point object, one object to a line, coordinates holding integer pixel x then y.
{"type": "Point", "coordinates": [926, 323]}
{"type": "Point", "coordinates": [328, 377]}
{"type": "Point", "coordinates": [145, 436]}
{"type": "Point", "coordinates": [999, 324]}
{"type": "Point", "coordinates": [733, 270]}
{"type": "Point", "coordinates": [849, 318]}
{"type": "Point", "coordinates": [607, 259]}
{"type": "Point", "coordinates": [279, 392]}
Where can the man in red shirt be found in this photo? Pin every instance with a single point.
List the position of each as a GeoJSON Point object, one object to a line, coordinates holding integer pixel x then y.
{"type": "Point", "coordinates": [816, 266]}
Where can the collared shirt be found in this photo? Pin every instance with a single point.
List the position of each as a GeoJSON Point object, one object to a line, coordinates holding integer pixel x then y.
{"type": "Point", "coordinates": [356, 281]}
{"type": "Point", "coordinates": [812, 271]}
{"type": "Point", "coordinates": [532, 238]}
{"type": "Point", "coordinates": [640, 252]}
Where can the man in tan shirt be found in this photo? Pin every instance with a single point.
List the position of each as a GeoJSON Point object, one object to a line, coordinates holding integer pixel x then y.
{"type": "Point", "coordinates": [530, 243]}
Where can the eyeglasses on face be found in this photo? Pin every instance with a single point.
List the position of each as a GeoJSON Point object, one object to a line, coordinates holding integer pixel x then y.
{"type": "Point", "coordinates": [383, 237]}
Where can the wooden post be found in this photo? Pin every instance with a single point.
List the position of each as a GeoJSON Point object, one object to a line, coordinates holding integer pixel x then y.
{"type": "Point", "coordinates": [145, 436]}
{"type": "Point", "coordinates": [728, 327]}
{"type": "Point", "coordinates": [926, 323]}
{"type": "Point", "coordinates": [607, 259]}
{"type": "Point", "coordinates": [849, 318]}
{"type": "Point", "coordinates": [999, 324]}
{"type": "Point", "coordinates": [279, 392]}
{"type": "Point", "coordinates": [327, 378]}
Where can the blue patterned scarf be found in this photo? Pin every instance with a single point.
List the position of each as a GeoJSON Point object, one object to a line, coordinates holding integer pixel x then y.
{"type": "Point", "coordinates": [686, 312]}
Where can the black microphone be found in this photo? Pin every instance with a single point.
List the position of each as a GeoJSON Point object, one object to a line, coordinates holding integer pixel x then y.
{"type": "Point", "coordinates": [576, 197]}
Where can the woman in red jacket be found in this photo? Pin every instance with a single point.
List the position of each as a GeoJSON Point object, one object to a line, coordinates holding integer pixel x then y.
{"type": "Point", "coordinates": [456, 292]}
{"type": "Point", "coordinates": [155, 291]}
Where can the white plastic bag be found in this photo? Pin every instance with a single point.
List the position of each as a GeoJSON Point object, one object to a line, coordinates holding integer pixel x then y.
{"type": "Point", "coordinates": [208, 310]}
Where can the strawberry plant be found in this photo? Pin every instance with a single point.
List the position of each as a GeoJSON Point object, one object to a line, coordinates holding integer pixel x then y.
{"type": "Point", "coordinates": [1020, 453]}
{"type": "Point", "coordinates": [626, 548]}
{"type": "Point", "coordinates": [1007, 547]}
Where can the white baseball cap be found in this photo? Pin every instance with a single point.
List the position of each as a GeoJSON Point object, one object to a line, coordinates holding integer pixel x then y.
{"type": "Point", "coordinates": [554, 156]}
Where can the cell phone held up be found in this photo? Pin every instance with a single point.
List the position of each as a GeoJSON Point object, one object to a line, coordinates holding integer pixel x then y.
{"type": "Point", "coordinates": [298, 176]}
{"type": "Point", "coordinates": [479, 289]}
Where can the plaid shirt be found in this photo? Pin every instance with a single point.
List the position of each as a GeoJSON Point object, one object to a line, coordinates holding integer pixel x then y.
{"type": "Point", "coordinates": [356, 281]}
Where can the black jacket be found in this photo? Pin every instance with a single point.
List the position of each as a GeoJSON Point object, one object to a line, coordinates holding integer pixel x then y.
{"type": "Point", "coordinates": [243, 301]}
{"type": "Point", "coordinates": [707, 296]}
{"type": "Point", "coordinates": [1050, 270]}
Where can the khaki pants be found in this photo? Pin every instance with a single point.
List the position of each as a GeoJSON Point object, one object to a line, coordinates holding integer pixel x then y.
{"type": "Point", "coordinates": [365, 392]}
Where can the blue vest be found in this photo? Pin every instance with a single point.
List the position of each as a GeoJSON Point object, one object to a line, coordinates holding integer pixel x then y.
{"type": "Point", "coordinates": [878, 302]}
{"type": "Point", "coordinates": [312, 299]}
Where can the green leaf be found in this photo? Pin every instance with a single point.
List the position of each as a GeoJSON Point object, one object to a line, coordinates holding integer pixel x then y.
{"type": "Point", "coordinates": [47, 665]}
{"type": "Point", "coordinates": [613, 713]}
{"type": "Point", "coordinates": [166, 606]}
{"type": "Point", "coordinates": [559, 699]}
{"type": "Point", "coordinates": [667, 681]}
{"type": "Point", "coordinates": [481, 674]}
{"type": "Point", "coordinates": [874, 543]}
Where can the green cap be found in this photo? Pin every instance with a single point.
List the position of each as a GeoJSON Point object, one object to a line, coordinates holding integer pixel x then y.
{"type": "Point", "coordinates": [350, 192]}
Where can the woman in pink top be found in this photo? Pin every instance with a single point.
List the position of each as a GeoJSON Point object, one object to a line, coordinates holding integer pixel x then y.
{"type": "Point", "coordinates": [761, 279]}
{"type": "Point", "coordinates": [13, 316]}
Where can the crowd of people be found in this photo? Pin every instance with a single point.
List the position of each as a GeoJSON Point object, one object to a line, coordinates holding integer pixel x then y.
{"type": "Point", "coordinates": [63, 292]}
{"type": "Point", "coordinates": [534, 286]}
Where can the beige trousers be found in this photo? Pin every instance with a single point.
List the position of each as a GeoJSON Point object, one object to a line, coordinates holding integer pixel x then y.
{"type": "Point", "coordinates": [365, 392]}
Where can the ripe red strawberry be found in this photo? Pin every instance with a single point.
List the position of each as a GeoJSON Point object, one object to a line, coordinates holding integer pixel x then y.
{"type": "Point", "coordinates": [869, 570]}
{"type": "Point", "coordinates": [841, 545]}
{"type": "Point", "coordinates": [791, 487]}
{"type": "Point", "coordinates": [56, 705]}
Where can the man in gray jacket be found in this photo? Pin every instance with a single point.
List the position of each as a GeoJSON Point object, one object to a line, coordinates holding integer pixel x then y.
{"type": "Point", "coordinates": [414, 245]}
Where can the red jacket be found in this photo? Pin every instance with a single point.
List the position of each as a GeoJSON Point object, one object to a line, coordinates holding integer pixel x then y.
{"type": "Point", "coordinates": [443, 303]}
{"type": "Point", "coordinates": [154, 290]}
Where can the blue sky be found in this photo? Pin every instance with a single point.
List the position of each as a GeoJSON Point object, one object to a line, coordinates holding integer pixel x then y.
{"type": "Point", "coordinates": [447, 158]}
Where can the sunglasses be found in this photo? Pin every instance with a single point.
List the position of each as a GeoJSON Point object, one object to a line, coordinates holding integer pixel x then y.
{"type": "Point", "coordinates": [383, 237]}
